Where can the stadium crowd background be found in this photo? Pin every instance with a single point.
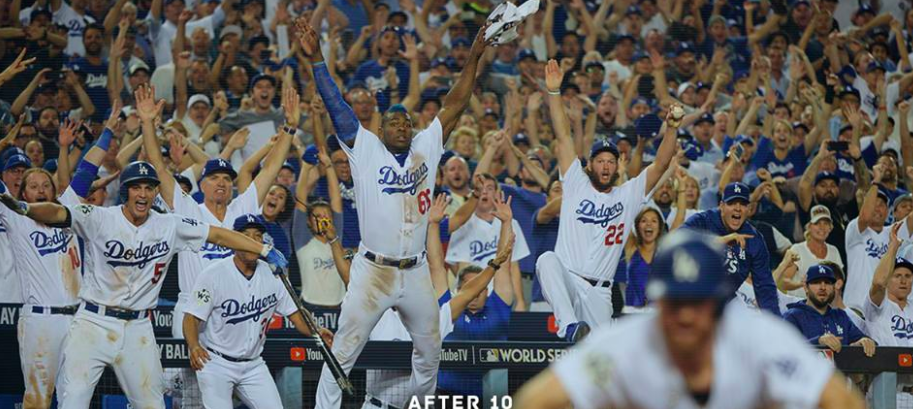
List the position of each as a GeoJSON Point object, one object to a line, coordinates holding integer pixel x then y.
{"type": "Point", "coordinates": [805, 102]}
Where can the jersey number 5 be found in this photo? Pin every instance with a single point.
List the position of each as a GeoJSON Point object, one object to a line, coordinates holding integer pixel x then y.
{"type": "Point", "coordinates": [159, 271]}
{"type": "Point", "coordinates": [424, 201]}
{"type": "Point", "coordinates": [614, 234]}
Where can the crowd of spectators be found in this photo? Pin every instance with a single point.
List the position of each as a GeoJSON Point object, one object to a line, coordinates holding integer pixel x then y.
{"type": "Point", "coordinates": [804, 104]}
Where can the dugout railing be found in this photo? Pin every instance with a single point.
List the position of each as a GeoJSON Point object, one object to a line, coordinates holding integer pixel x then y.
{"type": "Point", "coordinates": [503, 365]}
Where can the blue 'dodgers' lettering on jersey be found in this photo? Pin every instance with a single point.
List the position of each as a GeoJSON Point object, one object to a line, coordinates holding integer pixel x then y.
{"type": "Point", "coordinates": [407, 182]}
{"type": "Point", "coordinates": [55, 243]}
{"type": "Point", "coordinates": [588, 213]}
{"type": "Point", "coordinates": [479, 250]}
{"type": "Point", "coordinates": [119, 255]}
{"type": "Point", "coordinates": [875, 250]}
{"type": "Point", "coordinates": [251, 310]}
{"type": "Point", "coordinates": [212, 251]}
{"type": "Point", "coordinates": [902, 328]}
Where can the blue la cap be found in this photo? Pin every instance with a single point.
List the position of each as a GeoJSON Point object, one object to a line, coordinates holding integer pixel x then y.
{"type": "Point", "coordinates": [440, 61]}
{"type": "Point", "coordinates": [689, 265]}
{"type": "Point", "coordinates": [50, 165]}
{"type": "Point", "coordinates": [883, 193]}
{"type": "Point", "coordinates": [705, 117]}
{"type": "Point", "coordinates": [826, 176]}
{"type": "Point", "coordinates": [288, 165]}
{"type": "Point", "coordinates": [799, 124]}
{"type": "Point", "coordinates": [703, 85]}
{"type": "Point", "coordinates": [641, 100]}
{"type": "Point", "coordinates": [647, 125]}
{"type": "Point", "coordinates": [260, 77]}
{"type": "Point", "coordinates": [683, 134]}
{"type": "Point", "coordinates": [623, 37]}
{"type": "Point", "coordinates": [684, 47]}
{"type": "Point", "coordinates": [521, 138]}
{"type": "Point", "coordinates": [736, 191]}
{"type": "Point", "coordinates": [460, 42]}
{"type": "Point", "coordinates": [875, 65]}
{"type": "Point", "coordinates": [16, 161]}
{"type": "Point", "coordinates": [526, 53]}
{"type": "Point", "coordinates": [693, 151]}
{"type": "Point", "coordinates": [741, 138]}
{"type": "Point", "coordinates": [446, 157]}
{"type": "Point", "coordinates": [633, 10]}
{"type": "Point", "coordinates": [901, 262]}
{"type": "Point", "coordinates": [245, 221]}
{"type": "Point", "coordinates": [849, 90]}
{"type": "Point", "coordinates": [865, 8]}
{"type": "Point", "coordinates": [603, 145]}
{"type": "Point", "coordinates": [640, 55]}
{"type": "Point", "coordinates": [214, 166]}
{"type": "Point", "coordinates": [182, 180]}
{"type": "Point", "coordinates": [820, 272]}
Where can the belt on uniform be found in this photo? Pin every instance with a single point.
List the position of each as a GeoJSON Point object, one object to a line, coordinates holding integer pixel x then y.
{"type": "Point", "coordinates": [402, 264]}
{"type": "Point", "coordinates": [69, 310]}
{"type": "Point", "coordinates": [380, 404]}
{"type": "Point", "coordinates": [595, 283]}
{"type": "Point", "coordinates": [121, 314]}
{"type": "Point", "coordinates": [228, 357]}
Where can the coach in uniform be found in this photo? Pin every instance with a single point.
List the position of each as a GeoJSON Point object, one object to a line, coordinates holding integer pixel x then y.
{"type": "Point", "coordinates": [236, 298]}
{"type": "Point", "coordinates": [694, 352]}
{"type": "Point", "coordinates": [746, 252]}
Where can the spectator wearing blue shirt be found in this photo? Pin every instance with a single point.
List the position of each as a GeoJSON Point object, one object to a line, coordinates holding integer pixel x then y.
{"type": "Point", "coordinates": [746, 252]}
{"type": "Point", "coordinates": [780, 155]}
{"type": "Point", "coordinates": [702, 131]}
{"type": "Point", "coordinates": [650, 228]}
{"type": "Point", "coordinates": [93, 69]}
{"type": "Point", "coordinates": [818, 321]}
{"type": "Point", "coordinates": [545, 235]}
{"type": "Point", "coordinates": [737, 49]}
{"type": "Point", "coordinates": [371, 72]}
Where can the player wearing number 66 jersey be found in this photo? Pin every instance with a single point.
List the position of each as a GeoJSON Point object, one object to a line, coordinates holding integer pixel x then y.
{"type": "Point", "coordinates": [394, 175]}
{"type": "Point", "coordinates": [596, 220]}
{"type": "Point", "coordinates": [746, 253]}
{"type": "Point", "coordinates": [131, 247]}
{"type": "Point", "coordinates": [693, 352]}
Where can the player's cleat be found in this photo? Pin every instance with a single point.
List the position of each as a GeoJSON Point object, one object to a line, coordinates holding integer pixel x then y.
{"type": "Point", "coordinates": [577, 331]}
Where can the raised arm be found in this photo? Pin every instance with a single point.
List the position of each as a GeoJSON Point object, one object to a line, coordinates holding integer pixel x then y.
{"type": "Point", "coordinates": [479, 283]}
{"type": "Point", "coordinates": [666, 149]}
{"type": "Point", "coordinates": [807, 182]}
{"type": "Point", "coordinates": [436, 265]}
{"type": "Point", "coordinates": [415, 87]}
{"type": "Point", "coordinates": [885, 269]}
{"type": "Point", "coordinates": [457, 99]}
{"type": "Point", "coordinates": [148, 110]}
{"type": "Point", "coordinates": [560, 123]}
{"type": "Point", "coordinates": [47, 213]}
{"type": "Point", "coordinates": [465, 211]}
{"type": "Point", "coordinates": [239, 242]}
{"type": "Point", "coordinates": [246, 172]}
{"type": "Point", "coordinates": [19, 64]}
{"type": "Point", "coordinates": [277, 156]}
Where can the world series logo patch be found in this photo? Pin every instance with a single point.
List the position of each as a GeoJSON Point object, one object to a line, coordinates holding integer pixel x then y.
{"type": "Point", "coordinates": [203, 296]}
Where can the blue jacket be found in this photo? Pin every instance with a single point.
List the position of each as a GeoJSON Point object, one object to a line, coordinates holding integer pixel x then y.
{"type": "Point", "coordinates": [813, 324]}
{"type": "Point", "coordinates": [754, 260]}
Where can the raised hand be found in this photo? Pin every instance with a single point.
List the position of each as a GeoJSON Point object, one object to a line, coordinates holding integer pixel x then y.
{"type": "Point", "coordinates": [67, 133]}
{"type": "Point", "coordinates": [185, 16]}
{"type": "Point", "coordinates": [291, 106]}
{"type": "Point", "coordinates": [177, 148]}
{"type": "Point", "coordinates": [220, 101]}
{"type": "Point", "coordinates": [146, 107]}
{"type": "Point", "coordinates": [502, 208]}
{"type": "Point", "coordinates": [183, 61]}
{"type": "Point", "coordinates": [438, 209]}
{"type": "Point", "coordinates": [553, 76]}
{"type": "Point", "coordinates": [504, 253]}
{"type": "Point", "coordinates": [308, 39]}
{"type": "Point", "coordinates": [239, 139]}
{"type": "Point", "coordinates": [411, 52]}
{"type": "Point", "coordinates": [19, 64]}
{"type": "Point", "coordinates": [895, 239]}
{"type": "Point", "coordinates": [114, 117]}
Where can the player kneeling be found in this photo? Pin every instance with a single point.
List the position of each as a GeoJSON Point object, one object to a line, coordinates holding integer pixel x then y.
{"type": "Point", "coordinates": [695, 352]}
{"type": "Point", "coordinates": [236, 297]}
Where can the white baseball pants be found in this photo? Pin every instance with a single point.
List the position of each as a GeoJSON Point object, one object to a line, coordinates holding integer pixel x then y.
{"type": "Point", "coordinates": [219, 378]}
{"type": "Point", "coordinates": [373, 289]}
{"type": "Point", "coordinates": [41, 340]}
{"type": "Point", "coordinates": [572, 298]}
{"type": "Point", "coordinates": [96, 341]}
{"type": "Point", "coordinates": [188, 395]}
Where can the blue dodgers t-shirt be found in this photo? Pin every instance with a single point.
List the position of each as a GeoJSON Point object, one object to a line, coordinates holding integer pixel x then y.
{"type": "Point", "coordinates": [489, 324]}
{"type": "Point", "coordinates": [524, 203]}
{"type": "Point", "coordinates": [636, 274]}
{"type": "Point", "coordinates": [96, 84]}
{"type": "Point", "coordinates": [350, 234]}
{"type": "Point", "coordinates": [371, 73]}
{"type": "Point", "coordinates": [791, 166]}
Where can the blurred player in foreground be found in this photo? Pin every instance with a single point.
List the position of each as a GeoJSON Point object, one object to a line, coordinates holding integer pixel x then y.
{"type": "Point", "coordinates": [694, 352]}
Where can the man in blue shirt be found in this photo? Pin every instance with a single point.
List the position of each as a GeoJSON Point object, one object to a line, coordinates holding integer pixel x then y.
{"type": "Point", "coordinates": [821, 324]}
{"type": "Point", "coordinates": [372, 72]}
{"type": "Point", "coordinates": [746, 252]}
{"type": "Point", "coordinates": [93, 69]}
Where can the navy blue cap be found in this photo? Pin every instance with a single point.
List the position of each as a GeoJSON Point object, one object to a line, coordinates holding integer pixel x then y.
{"type": "Point", "coordinates": [705, 117]}
{"type": "Point", "coordinates": [744, 139]}
{"type": "Point", "coordinates": [439, 61]}
{"type": "Point", "coordinates": [245, 221]}
{"type": "Point", "coordinates": [639, 55]}
{"type": "Point", "coordinates": [526, 53]}
{"type": "Point", "coordinates": [826, 176]}
{"type": "Point", "coordinates": [683, 134]}
{"type": "Point", "coordinates": [647, 125]}
{"type": "Point", "coordinates": [641, 100]}
{"type": "Point", "coordinates": [460, 41]}
{"type": "Point", "coordinates": [492, 112]}
{"type": "Point", "coordinates": [633, 10]}
{"type": "Point", "coordinates": [399, 13]}
{"type": "Point", "coordinates": [594, 64]}
{"type": "Point", "coordinates": [16, 161]}
{"type": "Point", "coordinates": [9, 153]}
{"type": "Point", "coordinates": [623, 37]}
{"type": "Point", "coordinates": [847, 71]}
{"type": "Point", "coordinates": [288, 165]}
{"type": "Point", "coordinates": [703, 85]}
{"type": "Point", "coordinates": [736, 191]}
{"type": "Point", "coordinates": [740, 75]}
{"type": "Point", "coordinates": [799, 124]}
{"type": "Point", "coordinates": [693, 150]}
{"type": "Point", "coordinates": [445, 157]}
{"type": "Point", "coordinates": [260, 77]}
{"type": "Point", "coordinates": [849, 90]}
{"type": "Point", "coordinates": [865, 8]}
{"type": "Point", "coordinates": [820, 272]}
{"type": "Point", "coordinates": [50, 165]}
{"type": "Point", "coordinates": [684, 47]}
{"type": "Point", "coordinates": [39, 11]}
{"type": "Point", "coordinates": [521, 138]}
{"type": "Point", "coordinates": [182, 180]}
{"type": "Point", "coordinates": [883, 193]}
{"type": "Point", "coordinates": [689, 265]}
{"type": "Point", "coordinates": [261, 39]}
{"type": "Point", "coordinates": [603, 145]}
{"type": "Point", "coordinates": [878, 32]}
{"type": "Point", "coordinates": [901, 262]}
{"type": "Point", "coordinates": [214, 166]}
{"type": "Point", "coordinates": [875, 65]}
{"type": "Point", "coordinates": [798, 3]}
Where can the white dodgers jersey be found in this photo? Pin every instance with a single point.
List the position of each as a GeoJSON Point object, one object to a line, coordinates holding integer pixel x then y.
{"type": "Point", "coordinates": [47, 260]}
{"type": "Point", "coordinates": [190, 264]}
{"type": "Point", "coordinates": [10, 290]}
{"type": "Point", "coordinates": [129, 262]}
{"type": "Point", "coordinates": [393, 199]}
{"type": "Point", "coordinates": [888, 324]}
{"type": "Point", "coordinates": [237, 310]}
{"type": "Point", "coordinates": [476, 242]}
{"type": "Point", "coordinates": [594, 225]}
{"type": "Point", "coordinates": [758, 360]}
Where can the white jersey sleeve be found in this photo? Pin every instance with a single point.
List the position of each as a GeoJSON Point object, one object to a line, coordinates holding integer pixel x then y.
{"type": "Point", "coordinates": [85, 221]}
{"type": "Point", "coordinates": [69, 197]}
{"type": "Point", "coordinates": [446, 325]}
{"type": "Point", "coordinates": [205, 294]}
{"type": "Point", "coordinates": [184, 204]}
{"type": "Point", "coordinates": [430, 140]}
{"type": "Point", "coordinates": [286, 305]}
{"type": "Point", "coordinates": [247, 202]}
{"type": "Point", "coordinates": [190, 234]}
{"type": "Point", "coordinates": [574, 179]}
{"type": "Point", "coordinates": [521, 250]}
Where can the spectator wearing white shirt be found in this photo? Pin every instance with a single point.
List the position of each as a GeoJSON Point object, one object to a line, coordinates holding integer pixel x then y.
{"type": "Point", "coordinates": [814, 249]}
{"type": "Point", "coordinates": [887, 308]}
{"type": "Point", "coordinates": [866, 243]}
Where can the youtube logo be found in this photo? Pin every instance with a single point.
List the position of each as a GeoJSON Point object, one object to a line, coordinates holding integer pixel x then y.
{"type": "Point", "coordinates": [905, 360]}
{"type": "Point", "coordinates": [275, 322]}
{"type": "Point", "coordinates": [297, 354]}
{"type": "Point", "coordinates": [552, 326]}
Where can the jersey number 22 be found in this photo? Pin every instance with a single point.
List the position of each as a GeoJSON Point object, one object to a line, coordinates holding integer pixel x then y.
{"type": "Point", "coordinates": [614, 234]}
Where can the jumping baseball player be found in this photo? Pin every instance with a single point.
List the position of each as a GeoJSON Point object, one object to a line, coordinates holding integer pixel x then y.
{"type": "Point", "coordinates": [746, 252]}
{"type": "Point", "coordinates": [694, 352]}
{"type": "Point", "coordinates": [394, 176]}
{"type": "Point", "coordinates": [131, 246]}
{"type": "Point", "coordinates": [236, 298]}
{"type": "Point", "coordinates": [596, 220]}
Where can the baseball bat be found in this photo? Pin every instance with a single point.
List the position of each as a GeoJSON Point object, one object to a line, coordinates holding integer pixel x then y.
{"type": "Point", "coordinates": [341, 378]}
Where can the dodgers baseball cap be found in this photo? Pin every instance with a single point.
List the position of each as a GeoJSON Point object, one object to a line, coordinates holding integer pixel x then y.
{"type": "Point", "coordinates": [901, 262]}
{"type": "Point", "coordinates": [245, 221]}
{"type": "Point", "coordinates": [526, 53]}
{"type": "Point", "coordinates": [882, 193]}
{"type": "Point", "coordinates": [214, 166]}
{"type": "Point", "coordinates": [182, 180]}
{"type": "Point", "coordinates": [705, 117]}
{"type": "Point", "coordinates": [603, 145]}
{"type": "Point", "coordinates": [17, 161]}
{"type": "Point", "coordinates": [819, 212]}
{"type": "Point", "coordinates": [647, 125]}
{"type": "Point", "coordinates": [460, 42]}
{"type": "Point", "coordinates": [820, 272]}
{"type": "Point", "coordinates": [849, 90]}
{"type": "Point", "coordinates": [684, 47]}
{"type": "Point", "coordinates": [742, 138]}
{"type": "Point", "coordinates": [826, 176]}
{"type": "Point", "coordinates": [875, 65]}
{"type": "Point", "coordinates": [689, 265]}
{"type": "Point", "coordinates": [736, 191]}
{"type": "Point", "coordinates": [262, 77]}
